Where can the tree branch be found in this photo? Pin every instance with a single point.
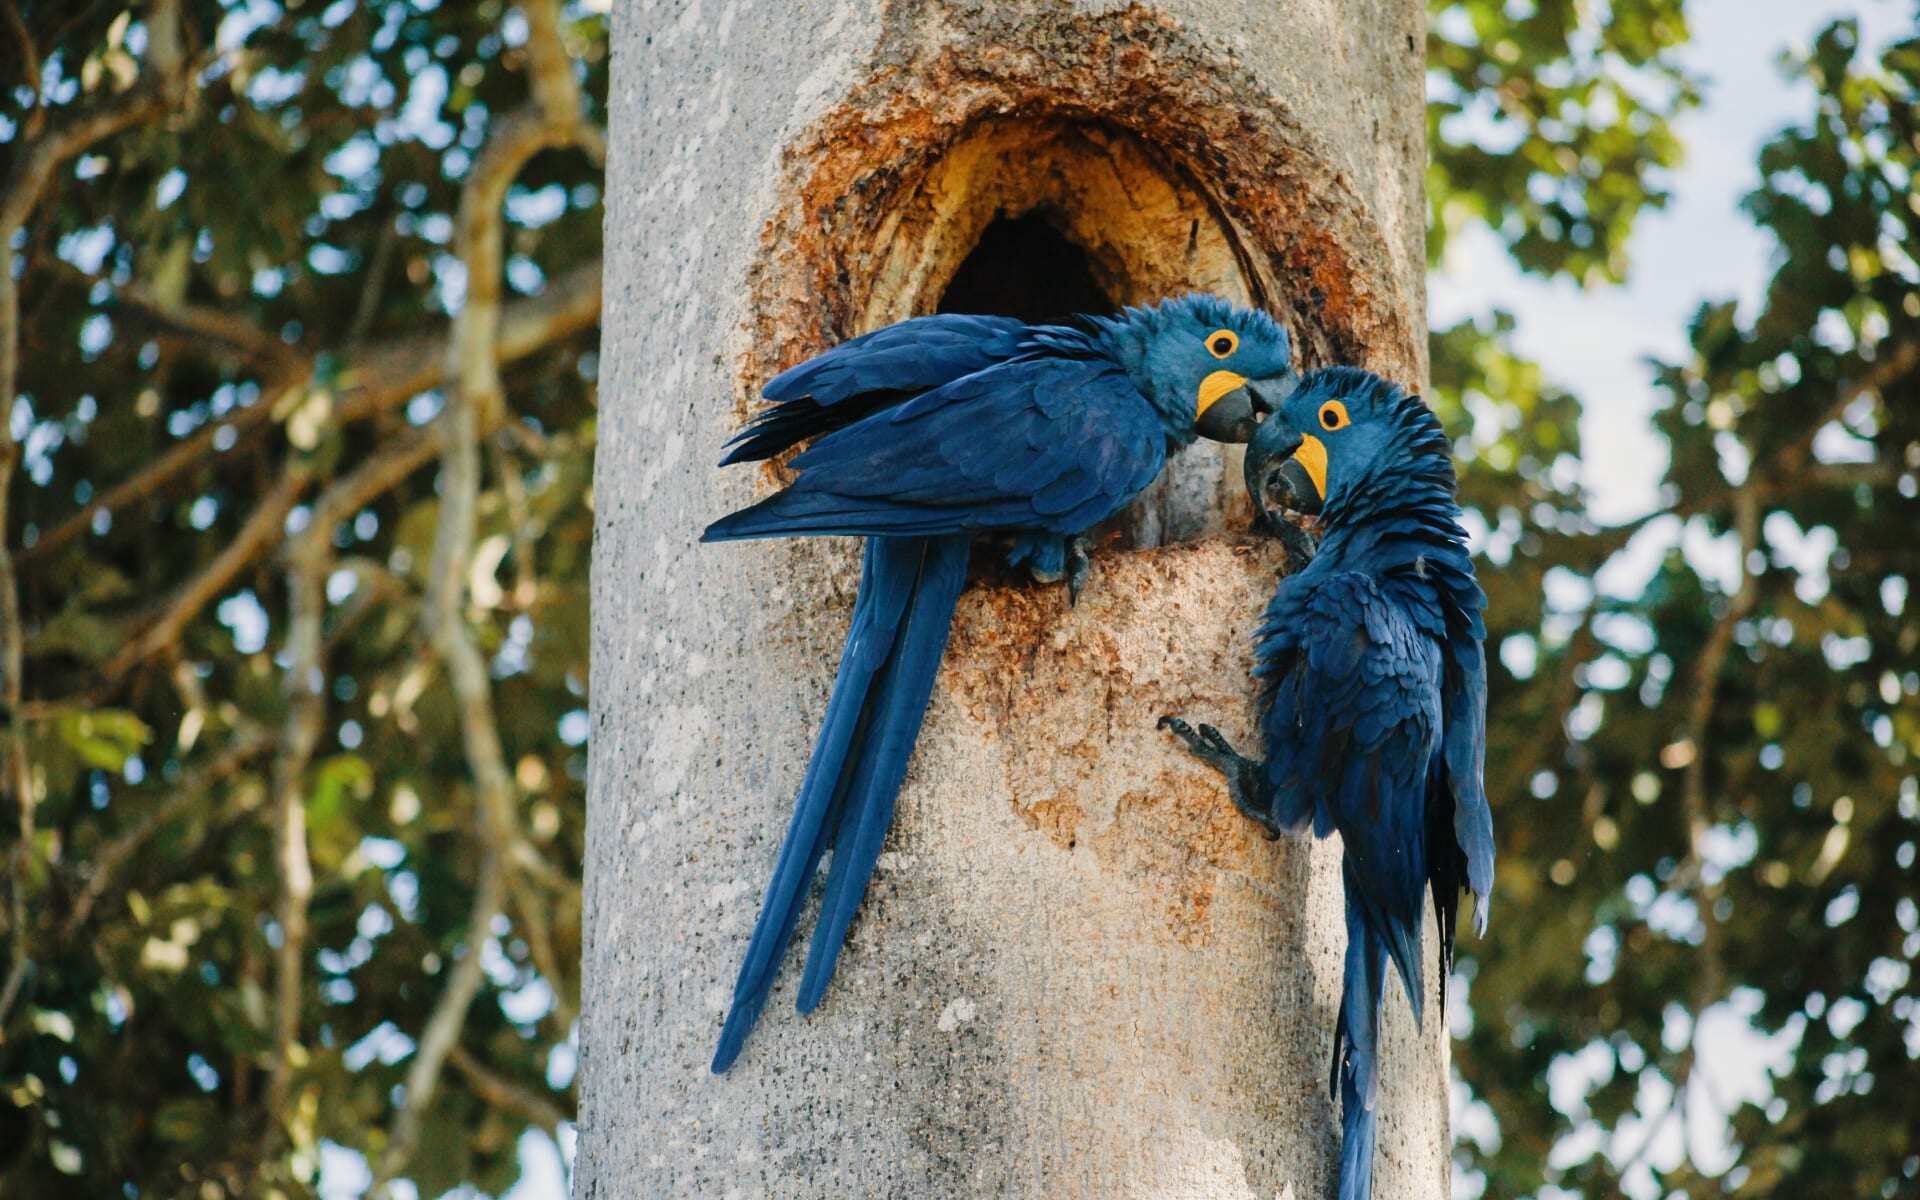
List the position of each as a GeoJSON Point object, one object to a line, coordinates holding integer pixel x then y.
{"type": "Point", "coordinates": [371, 380]}
{"type": "Point", "coordinates": [375, 476]}
{"type": "Point", "coordinates": [262, 529]}
{"type": "Point", "coordinates": [304, 684]}
{"type": "Point", "coordinates": [551, 119]}
{"type": "Point", "coordinates": [1898, 362]}
{"type": "Point", "coordinates": [1695, 805]}
{"type": "Point", "coordinates": [38, 157]}
{"type": "Point", "coordinates": [1791, 468]}
{"type": "Point", "coordinates": [506, 1095]}
{"type": "Point", "coordinates": [36, 116]}
{"type": "Point", "coordinates": [195, 325]}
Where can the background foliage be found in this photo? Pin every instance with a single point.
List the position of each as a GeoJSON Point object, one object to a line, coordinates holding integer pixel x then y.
{"type": "Point", "coordinates": [1700, 976]}
{"type": "Point", "coordinates": [234, 331]}
{"type": "Point", "coordinates": [237, 255]}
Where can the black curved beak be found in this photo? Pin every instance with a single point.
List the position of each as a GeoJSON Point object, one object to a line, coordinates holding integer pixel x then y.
{"type": "Point", "coordinates": [1281, 487]}
{"type": "Point", "coordinates": [1235, 416]}
{"type": "Point", "coordinates": [1270, 393]}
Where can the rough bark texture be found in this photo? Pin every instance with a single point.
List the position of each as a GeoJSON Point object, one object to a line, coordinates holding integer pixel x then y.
{"type": "Point", "coordinates": [1078, 972]}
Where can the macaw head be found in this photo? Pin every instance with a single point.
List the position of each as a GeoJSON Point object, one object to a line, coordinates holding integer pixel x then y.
{"type": "Point", "coordinates": [1210, 367]}
{"type": "Point", "coordinates": [1344, 444]}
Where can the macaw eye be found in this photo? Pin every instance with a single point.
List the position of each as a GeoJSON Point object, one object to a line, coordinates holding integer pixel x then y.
{"type": "Point", "coordinates": [1333, 415]}
{"type": "Point", "coordinates": [1222, 342]}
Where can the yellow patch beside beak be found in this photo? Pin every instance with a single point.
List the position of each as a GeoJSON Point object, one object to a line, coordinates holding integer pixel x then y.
{"type": "Point", "coordinates": [1312, 455]}
{"type": "Point", "coordinates": [1215, 386]}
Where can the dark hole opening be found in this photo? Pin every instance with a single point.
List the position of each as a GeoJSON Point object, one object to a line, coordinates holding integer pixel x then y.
{"type": "Point", "coordinates": [1023, 267]}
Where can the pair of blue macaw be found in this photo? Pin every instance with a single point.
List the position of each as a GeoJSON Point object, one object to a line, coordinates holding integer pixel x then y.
{"type": "Point", "coordinates": [939, 429]}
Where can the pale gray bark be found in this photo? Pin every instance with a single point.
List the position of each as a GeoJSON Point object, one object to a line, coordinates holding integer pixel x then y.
{"type": "Point", "coordinates": [1078, 972]}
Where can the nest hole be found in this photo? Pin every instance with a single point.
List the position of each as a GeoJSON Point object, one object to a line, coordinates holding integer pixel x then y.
{"type": "Point", "coordinates": [1024, 267]}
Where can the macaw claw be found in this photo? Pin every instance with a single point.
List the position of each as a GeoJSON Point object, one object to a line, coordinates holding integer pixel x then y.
{"type": "Point", "coordinates": [1079, 566]}
{"type": "Point", "coordinates": [1242, 774]}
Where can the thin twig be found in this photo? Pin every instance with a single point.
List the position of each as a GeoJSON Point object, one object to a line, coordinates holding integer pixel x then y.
{"type": "Point", "coordinates": [505, 1094]}
{"type": "Point", "coordinates": [533, 922]}
{"type": "Point", "coordinates": [372, 286]}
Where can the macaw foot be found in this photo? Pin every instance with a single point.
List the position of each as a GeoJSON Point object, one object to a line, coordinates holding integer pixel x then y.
{"type": "Point", "coordinates": [1242, 773]}
{"type": "Point", "coordinates": [1042, 555]}
{"type": "Point", "coordinates": [1048, 558]}
{"type": "Point", "coordinates": [1079, 565]}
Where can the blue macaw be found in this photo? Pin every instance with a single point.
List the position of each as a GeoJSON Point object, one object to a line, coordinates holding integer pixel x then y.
{"type": "Point", "coordinates": [935, 430]}
{"type": "Point", "coordinates": [1373, 696]}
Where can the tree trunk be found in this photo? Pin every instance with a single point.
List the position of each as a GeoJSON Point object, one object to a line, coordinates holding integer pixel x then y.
{"type": "Point", "coordinates": [1079, 972]}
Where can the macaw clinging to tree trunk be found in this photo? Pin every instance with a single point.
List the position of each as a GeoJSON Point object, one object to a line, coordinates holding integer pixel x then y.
{"type": "Point", "coordinates": [933, 431]}
{"type": "Point", "coordinates": [1374, 694]}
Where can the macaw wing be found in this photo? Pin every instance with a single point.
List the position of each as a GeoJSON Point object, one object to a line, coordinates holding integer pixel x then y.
{"type": "Point", "coordinates": [1465, 748]}
{"type": "Point", "coordinates": [1048, 444]}
{"type": "Point", "coordinates": [871, 372]}
{"type": "Point", "coordinates": [1354, 725]}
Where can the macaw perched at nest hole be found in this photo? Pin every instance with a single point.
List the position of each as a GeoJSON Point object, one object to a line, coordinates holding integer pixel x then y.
{"type": "Point", "coordinates": [929, 433]}
{"type": "Point", "coordinates": [1373, 696]}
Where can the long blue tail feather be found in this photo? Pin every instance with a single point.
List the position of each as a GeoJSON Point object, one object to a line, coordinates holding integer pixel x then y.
{"type": "Point", "coordinates": [876, 615]}
{"type": "Point", "coordinates": [863, 723]}
{"type": "Point", "coordinates": [898, 705]}
{"type": "Point", "coordinates": [1356, 1049]}
{"type": "Point", "coordinates": [755, 983]}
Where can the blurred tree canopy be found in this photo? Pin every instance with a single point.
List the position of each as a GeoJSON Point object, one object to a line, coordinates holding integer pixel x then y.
{"type": "Point", "coordinates": [1704, 727]}
{"type": "Point", "coordinates": [1550, 123]}
{"type": "Point", "coordinates": [300, 804]}
{"type": "Point", "coordinates": [297, 507]}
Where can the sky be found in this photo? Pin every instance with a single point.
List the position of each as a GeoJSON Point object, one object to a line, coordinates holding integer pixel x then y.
{"type": "Point", "coordinates": [1594, 343]}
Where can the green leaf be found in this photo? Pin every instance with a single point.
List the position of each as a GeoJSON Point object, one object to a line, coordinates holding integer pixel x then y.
{"type": "Point", "coordinates": [104, 737]}
{"type": "Point", "coordinates": [337, 780]}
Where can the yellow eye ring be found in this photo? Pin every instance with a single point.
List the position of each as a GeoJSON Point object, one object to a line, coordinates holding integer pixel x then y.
{"type": "Point", "coordinates": [1333, 415]}
{"type": "Point", "coordinates": [1222, 342]}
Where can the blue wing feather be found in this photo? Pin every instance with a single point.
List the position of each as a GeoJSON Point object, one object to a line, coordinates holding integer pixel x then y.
{"type": "Point", "coordinates": [979, 453]}
{"type": "Point", "coordinates": [911, 356]}
{"type": "Point", "coordinates": [1466, 752]}
{"type": "Point", "coordinates": [870, 374]}
{"type": "Point", "coordinates": [1351, 735]}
